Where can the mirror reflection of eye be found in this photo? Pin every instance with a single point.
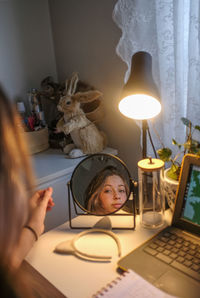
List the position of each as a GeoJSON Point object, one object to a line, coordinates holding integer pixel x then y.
{"type": "Point", "coordinates": [107, 190]}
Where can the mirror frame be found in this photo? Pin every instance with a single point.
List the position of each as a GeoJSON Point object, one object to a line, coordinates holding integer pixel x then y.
{"type": "Point", "coordinates": [84, 161]}
{"type": "Point", "coordinates": [86, 212]}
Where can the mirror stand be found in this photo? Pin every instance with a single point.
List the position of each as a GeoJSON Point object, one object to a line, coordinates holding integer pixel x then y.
{"type": "Point", "coordinates": [117, 216]}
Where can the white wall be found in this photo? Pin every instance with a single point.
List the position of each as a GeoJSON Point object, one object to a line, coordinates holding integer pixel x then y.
{"type": "Point", "coordinates": [85, 39]}
{"type": "Point", "coordinates": [56, 37]}
{"type": "Point", "coordinates": [26, 46]}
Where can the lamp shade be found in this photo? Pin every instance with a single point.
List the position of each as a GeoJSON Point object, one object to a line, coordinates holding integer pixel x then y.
{"type": "Point", "coordinates": [140, 97]}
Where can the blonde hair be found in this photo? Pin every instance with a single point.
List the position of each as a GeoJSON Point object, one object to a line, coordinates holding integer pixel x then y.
{"type": "Point", "coordinates": [16, 179]}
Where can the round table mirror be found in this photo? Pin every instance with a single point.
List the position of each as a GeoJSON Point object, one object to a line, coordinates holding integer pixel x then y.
{"type": "Point", "coordinates": [101, 184]}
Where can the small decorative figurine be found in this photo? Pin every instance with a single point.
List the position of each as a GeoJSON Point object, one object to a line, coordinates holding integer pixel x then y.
{"type": "Point", "coordinates": [87, 139]}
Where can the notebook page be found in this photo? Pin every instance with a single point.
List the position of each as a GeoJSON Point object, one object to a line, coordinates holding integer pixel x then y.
{"type": "Point", "coordinates": [131, 285]}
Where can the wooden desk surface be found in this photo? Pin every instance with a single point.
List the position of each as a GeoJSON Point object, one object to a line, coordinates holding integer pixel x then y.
{"type": "Point", "coordinates": [40, 283]}
{"type": "Point", "coordinates": [75, 277]}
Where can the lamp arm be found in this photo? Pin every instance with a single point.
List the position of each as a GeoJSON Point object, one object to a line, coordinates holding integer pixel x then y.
{"type": "Point", "coordinates": [151, 141]}
{"type": "Point", "coordinates": [145, 130]}
{"type": "Point", "coordinates": [144, 138]}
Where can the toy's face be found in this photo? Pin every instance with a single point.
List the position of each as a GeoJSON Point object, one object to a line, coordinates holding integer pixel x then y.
{"type": "Point", "coordinates": [67, 104]}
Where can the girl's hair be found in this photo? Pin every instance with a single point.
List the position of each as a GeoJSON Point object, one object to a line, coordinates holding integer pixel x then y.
{"type": "Point", "coordinates": [16, 179]}
{"type": "Point", "coordinates": [92, 202]}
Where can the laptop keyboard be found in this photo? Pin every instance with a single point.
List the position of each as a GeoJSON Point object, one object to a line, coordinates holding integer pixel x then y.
{"type": "Point", "coordinates": [177, 251]}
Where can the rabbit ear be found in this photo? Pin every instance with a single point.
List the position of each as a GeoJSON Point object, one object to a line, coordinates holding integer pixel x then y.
{"type": "Point", "coordinates": [87, 96]}
{"type": "Point", "coordinates": [71, 84]}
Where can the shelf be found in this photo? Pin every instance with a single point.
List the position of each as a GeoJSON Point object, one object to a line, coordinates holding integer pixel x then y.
{"type": "Point", "coordinates": [53, 163]}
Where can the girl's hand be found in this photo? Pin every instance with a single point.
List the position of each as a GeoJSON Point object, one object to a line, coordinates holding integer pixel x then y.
{"type": "Point", "coordinates": [40, 203]}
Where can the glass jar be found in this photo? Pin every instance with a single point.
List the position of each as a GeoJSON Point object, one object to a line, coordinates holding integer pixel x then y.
{"type": "Point", "coordinates": [151, 196]}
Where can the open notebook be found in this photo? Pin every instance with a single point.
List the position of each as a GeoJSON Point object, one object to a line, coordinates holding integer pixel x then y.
{"type": "Point", "coordinates": [171, 259]}
{"type": "Point", "coordinates": [130, 285]}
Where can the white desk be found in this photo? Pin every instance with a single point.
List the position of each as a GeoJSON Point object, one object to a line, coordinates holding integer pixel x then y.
{"type": "Point", "coordinates": [77, 278]}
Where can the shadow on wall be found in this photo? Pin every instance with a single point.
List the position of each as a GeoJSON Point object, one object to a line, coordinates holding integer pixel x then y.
{"type": "Point", "coordinates": [124, 135]}
{"type": "Point", "coordinates": [26, 46]}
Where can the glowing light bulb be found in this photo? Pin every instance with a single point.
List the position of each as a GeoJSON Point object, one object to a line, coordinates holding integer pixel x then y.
{"type": "Point", "coordinates": [139, 106]}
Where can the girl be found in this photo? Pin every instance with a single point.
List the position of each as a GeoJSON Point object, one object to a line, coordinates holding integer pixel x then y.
{"type": "Point", "coordinates": [21, 219]}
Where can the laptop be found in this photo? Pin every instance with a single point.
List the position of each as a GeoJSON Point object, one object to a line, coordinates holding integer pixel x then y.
{"type": "Point", "coordinates": [171, 259]}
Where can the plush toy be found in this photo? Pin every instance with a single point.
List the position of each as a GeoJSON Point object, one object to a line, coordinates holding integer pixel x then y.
{"type": "Point", "coordinates": [87, 139]}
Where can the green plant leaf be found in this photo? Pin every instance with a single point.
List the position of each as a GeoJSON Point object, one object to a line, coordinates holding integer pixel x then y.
{"type": "Point", "coordinates": [186, 121]}
{"type": "Point", "coordinates": [197, 127]}
{"type": "Point", "coordinates": [174, 142]}
{"type": "Point", "coordinates": [192, 146]}
{"type": "Point", "coordinates": [174, 172]}
{"type": "Point", "coordinates": [164, 154]}
{"type": "Point", "coordinates": [198, 153]}
{"type": "Point", "coordinates": [195, 146]}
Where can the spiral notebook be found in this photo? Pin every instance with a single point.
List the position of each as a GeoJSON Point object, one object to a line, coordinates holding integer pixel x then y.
{"type": "Point", "coordinates": [129, 285]}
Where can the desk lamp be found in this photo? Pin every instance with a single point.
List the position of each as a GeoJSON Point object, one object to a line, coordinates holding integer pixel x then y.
{"type": "Point", "coordinates": [140, 98]}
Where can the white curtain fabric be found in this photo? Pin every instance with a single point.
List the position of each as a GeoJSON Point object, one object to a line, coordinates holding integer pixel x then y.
{"type": "Point", "coordinates": [170, 31]}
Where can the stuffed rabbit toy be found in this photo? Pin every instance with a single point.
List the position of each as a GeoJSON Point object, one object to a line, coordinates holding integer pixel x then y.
{"type": "Point", "coordinates": [86, 137]}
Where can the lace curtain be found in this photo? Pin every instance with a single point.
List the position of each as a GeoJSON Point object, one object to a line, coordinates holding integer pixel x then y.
{"type": "Point", "coordinates": [169, 30]}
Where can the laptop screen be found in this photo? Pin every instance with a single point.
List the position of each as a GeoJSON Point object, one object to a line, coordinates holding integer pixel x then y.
{"type": "Point", "coordinates": [187, 207]}
{"type": "Point", "coordinates": [191, 201]}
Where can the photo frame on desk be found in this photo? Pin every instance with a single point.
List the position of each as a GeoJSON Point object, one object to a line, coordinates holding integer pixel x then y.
{"type": "Point", "coordinates": [101, 186]}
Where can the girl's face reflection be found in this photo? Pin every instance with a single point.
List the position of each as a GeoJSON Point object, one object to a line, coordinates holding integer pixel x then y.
{"type": "Point", "coordinates": [113, 194]}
